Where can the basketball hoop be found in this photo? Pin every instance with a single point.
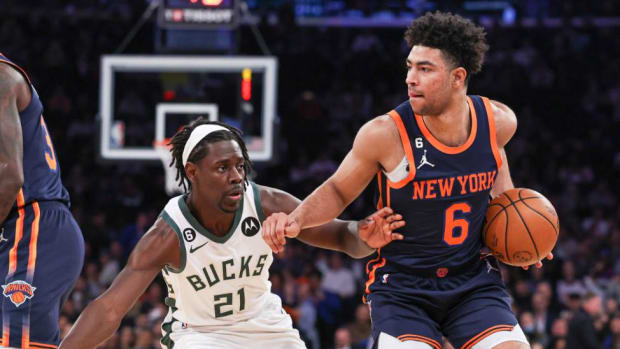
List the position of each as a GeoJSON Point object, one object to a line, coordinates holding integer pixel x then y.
{"type": "Point", "coordinates": [162, 148]}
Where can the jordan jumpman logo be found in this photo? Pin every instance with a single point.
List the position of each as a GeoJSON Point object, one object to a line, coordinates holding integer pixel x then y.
{"type": "Point", "coordinates": [424, 161]}
{"type": "Point", "coordinates": [2, 238]}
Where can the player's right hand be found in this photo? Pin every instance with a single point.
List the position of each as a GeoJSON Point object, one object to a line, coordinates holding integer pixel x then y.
{"type": "Point", "coordinates": [276, 228]}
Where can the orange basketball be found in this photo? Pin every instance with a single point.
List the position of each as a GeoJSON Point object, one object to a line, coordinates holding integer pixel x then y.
{"type": "Point", "coordinates": [521, 227]}
{"type": "Point", "coordinates": [18, 297]}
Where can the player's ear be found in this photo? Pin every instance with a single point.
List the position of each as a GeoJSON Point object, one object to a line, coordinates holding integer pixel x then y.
{"type": "Point", "coordinates": [190, 171]}
{"type": "Point", "coordinates": [459, 75]}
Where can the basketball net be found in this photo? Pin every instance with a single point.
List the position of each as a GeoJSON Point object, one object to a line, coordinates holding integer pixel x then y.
{"type": "Point", "coordinates": [163, 150]}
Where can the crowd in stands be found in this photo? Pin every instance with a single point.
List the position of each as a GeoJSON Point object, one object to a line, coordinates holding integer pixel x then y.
{"type": "Point", "coordinates": [561, 81]}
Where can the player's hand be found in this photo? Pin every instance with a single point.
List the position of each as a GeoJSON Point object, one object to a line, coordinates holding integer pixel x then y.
{"type": "Point", "coordinates": [539, 263]}
{"type": "Point", "coordinates": [377, 229]}
{"type": "Point", "coordinates": [276, 228]}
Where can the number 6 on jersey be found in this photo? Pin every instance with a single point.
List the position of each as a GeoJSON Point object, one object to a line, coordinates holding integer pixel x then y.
{"type": "Point", "coordinates": [456, 229]}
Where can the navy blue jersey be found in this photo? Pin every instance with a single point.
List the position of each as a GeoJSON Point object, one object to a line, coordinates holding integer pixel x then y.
{"type": "Point", "coordinates": [444, 197]}
{"type": "Point", "coordinates": [41, 168]}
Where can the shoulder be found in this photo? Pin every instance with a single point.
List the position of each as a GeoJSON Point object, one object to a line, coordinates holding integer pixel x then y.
{"type": "Point", "coordinates": [158, 247]}
{"type": "Point", "coordinates": [13, 84]}
{"type": "Point", "coordinates": [379, 127]}
{"type": "Point", "coordinates": [10, 78]}
{"type": "Point", "coordinates": [376, 135]}
{"type": "Point", "coordinates": [276, 200]}
{"type": "Point", "coordinates": [505, 122]}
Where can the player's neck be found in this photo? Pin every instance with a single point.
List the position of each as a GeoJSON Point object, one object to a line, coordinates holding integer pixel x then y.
{"type": "Point", "coordinates": [210, 217]}
{"type": "Point", "coordinates": [453, 124]}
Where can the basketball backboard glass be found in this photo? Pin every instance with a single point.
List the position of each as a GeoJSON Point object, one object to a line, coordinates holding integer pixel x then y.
{"type": "Point", "coordinates": [144, 99]}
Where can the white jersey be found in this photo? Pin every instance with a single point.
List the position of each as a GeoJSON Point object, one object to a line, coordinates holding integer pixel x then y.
{"type": "Point", "coordinates": [221, 279]}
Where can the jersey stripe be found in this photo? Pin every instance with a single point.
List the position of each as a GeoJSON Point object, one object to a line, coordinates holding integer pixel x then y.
{"type": "Point", "coordinates": [492, 132]}
{"type": "Point", "coordinates": [414, 337]}
{"type": "Point", "coordinates": [444, 148]}
{"type": "Point", "coordinates": [404, 137]}
{"type": "Point", "coordinates": [482, 335]}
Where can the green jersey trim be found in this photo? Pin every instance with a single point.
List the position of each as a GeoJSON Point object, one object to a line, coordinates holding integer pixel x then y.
{"type": "Point", "coordinates": [166, 217]}
{"type": "Point", "coordinates": [258, 203]}
{"type": "Point", "coordinates": [202, 230]}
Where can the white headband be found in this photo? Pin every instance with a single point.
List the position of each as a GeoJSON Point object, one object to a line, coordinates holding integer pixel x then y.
{"type": "Point", "coordinates": [197, 135]}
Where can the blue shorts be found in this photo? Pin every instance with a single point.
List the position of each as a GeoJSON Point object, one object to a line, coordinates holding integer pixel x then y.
{"type": "Point", "coordinates": [465, 308]}
{"type": "Point", "coordinates": [41, 257]}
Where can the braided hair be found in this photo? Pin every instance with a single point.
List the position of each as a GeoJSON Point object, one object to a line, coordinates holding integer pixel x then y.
{"type": "Point", "coordinates": [180, 138]}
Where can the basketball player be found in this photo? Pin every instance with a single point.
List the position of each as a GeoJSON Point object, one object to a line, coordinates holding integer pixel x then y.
{"type": "Point", "coordinates": [41, 245]}
{"type": "Point", "coordinates": [209, 247]}
{"type": "Point", "coordinates": [436, 157]}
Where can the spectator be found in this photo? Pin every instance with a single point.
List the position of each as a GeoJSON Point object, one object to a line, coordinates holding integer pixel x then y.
{"type": "Point", "coordinates": [582, 333]}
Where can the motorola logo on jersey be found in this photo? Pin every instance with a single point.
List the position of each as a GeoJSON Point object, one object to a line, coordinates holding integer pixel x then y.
{"type": "Point", "coordinates": [189, 234]}
{"type": "Point", "coordinates": [250, 226]}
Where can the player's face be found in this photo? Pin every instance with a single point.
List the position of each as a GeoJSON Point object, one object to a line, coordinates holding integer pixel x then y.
{"type": "Point", "coordinates": [428, 80]}
{"type": "Point", "coordinates": [219, 176]}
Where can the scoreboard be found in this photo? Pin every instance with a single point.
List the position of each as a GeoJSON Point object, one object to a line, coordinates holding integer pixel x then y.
{"type": "Point", "coordinates": [198, 14]}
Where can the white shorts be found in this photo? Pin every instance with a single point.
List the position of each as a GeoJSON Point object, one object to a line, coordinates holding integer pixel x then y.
{"type": "Point", "coordinates": [271, 330]}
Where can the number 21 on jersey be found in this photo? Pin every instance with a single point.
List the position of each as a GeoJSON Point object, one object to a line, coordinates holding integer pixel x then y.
{"type": "Point", "coordinates": [456, 225]}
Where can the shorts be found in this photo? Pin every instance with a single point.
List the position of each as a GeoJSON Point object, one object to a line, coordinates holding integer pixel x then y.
{"type": "Point", "coordinates": [465, 308]}
{"type": "Point", "coordinates": [271, 329]}
{"type": "Point", "coordinates": [41, 257]}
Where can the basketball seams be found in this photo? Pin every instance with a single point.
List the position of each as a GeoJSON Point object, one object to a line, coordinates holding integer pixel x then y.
{"type": "Point", "coordinates": [506, 235]}
{"type": "Point", "coordinates": [526, 227]}
{"type": "Point", "coordinates": [542, 215]}
{"type": "Point", "coordinates": [488, 224]}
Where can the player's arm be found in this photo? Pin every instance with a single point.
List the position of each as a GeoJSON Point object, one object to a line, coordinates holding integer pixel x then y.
{"type": "Point", "coordinates": [102, 317]}
{"type": "Point", "coordinates": [14, 93]}
{"type": "Point", "coordinates": [505, 128]}
{"type": "Point", "coordinates": [336, 235]}
{"type": "Point", "coordinates": [357, 169]}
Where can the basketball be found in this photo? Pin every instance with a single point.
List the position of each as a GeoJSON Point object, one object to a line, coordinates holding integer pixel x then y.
{"type": "Point", "coordinates": [521, 227]}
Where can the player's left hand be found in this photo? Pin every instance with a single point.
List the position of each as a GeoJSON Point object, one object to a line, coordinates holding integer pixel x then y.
{"type": "Point", "coordinates": [539, 263]}
{"type": "Point", "coordinates": [377, 230]}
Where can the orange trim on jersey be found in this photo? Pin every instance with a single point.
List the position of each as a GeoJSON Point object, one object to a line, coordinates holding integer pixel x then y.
{"type": "Point", "coordinates": [19, 232]}
{"type": "Point", "coordinates": [26, 335]}
{"type": "Point", "coordinates": [404, 138]}
{"type": "Point", "coordinates": [380, 201]}
{"type": "Point", "coordinates": [373, 261]}
{"type": "Point", "coordinates": [42, 345]}
{"type": "Point", "coordinates": [444, 148]}
{"type": "Point", "coordinates": [482, 335]}
{"type": "Point", "coordinates": [18, 68]}
{"type": "Point", "coordinates": [415, 337]}
{"type": "Point", "coordinates": [492, 132]}
{"type": "Point", "coordinates": [371, 275]}
{"type": "Point", "coordinates": [34, 236]}
{"type": "Point", "coordinates": [5, 335]}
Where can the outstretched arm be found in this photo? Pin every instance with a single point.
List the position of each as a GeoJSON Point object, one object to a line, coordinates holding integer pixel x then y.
{"type": "Point", "coordinates": [357, 169]}
{"type": "Point", "coordinates": [102, 317]}
{"type": "Point", "coordinates": [336, 235]}
{"type": "Point", "coordinates": [14, 93]}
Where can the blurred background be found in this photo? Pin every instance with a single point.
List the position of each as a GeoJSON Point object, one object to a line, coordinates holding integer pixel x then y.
{"type": "Point", "coordinates": [339, 64]}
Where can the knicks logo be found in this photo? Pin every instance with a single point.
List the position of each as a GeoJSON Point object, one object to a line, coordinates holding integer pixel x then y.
{"type": "Point", "coordinates": [18, 291]}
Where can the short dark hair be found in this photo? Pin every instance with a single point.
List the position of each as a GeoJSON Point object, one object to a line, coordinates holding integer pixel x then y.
{"type": "Point", "coordinates": [180, 138]}
{"type": "Point", "coordinates": [462, 42]}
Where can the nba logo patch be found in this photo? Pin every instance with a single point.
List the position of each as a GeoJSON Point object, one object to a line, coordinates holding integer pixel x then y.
{"type": "Point", "coordinates": [18, 291]}
{"type": "Point", "coordinates": [385, 278]}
